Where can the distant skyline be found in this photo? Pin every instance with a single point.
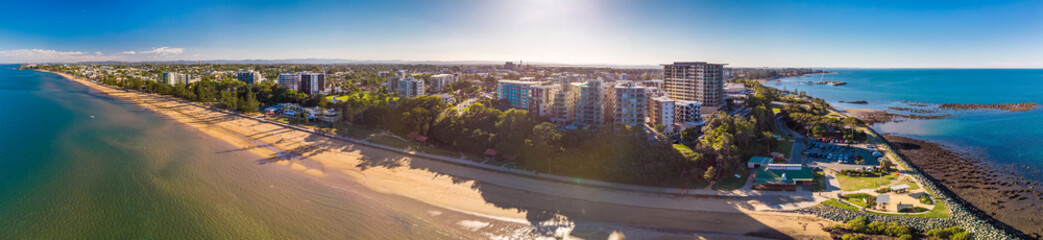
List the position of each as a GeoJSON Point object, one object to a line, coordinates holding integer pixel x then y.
{"type": "Point", "coordinates": [823, 34]}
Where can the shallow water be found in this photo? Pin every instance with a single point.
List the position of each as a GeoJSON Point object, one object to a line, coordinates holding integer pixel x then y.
{"type": "Point", "coordinates": [78, 164]}
{"type": "Point", "coordinates": [1002, 138]}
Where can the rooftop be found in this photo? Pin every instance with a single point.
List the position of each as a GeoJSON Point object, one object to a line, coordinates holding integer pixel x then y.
{"type": "Point", "coordinates": [783, 174]}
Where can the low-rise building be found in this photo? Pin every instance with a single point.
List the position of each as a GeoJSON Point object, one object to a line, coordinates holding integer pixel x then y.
{"type": "Point", "coordinates": [782, 176]}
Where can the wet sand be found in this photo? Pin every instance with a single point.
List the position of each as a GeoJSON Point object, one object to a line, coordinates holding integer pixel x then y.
{"type": "Point", "coordinates": [553, 207]}
{"type": "Point", "coordinates": [993, 190]}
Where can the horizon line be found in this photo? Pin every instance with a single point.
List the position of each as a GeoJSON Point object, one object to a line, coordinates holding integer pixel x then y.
{"type": "Point", "coordinates": [345, 61]}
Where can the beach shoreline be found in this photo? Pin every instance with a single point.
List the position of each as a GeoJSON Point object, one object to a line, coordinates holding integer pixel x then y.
{"type": "Point", "coordinates": [478, 192]}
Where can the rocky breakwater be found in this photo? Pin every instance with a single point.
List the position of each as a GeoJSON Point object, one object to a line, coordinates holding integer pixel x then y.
{"type": "Point", "coordinates": [1013, 107]}
{"type": "Point", "coordinates": [981, 200]}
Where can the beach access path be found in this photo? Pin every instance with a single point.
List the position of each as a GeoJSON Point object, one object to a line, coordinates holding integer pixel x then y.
{"type": "Point", "coordinates": [469, 187]}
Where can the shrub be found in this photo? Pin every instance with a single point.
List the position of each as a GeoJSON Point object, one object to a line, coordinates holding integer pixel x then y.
{"type": "Point", "coordinates": [876, 228]}
{"type": "Point", "coordinates": [851, 237]}
{"type": "Point", "coordinates": [946, 233]}
{"type": "Point", "coordinates": [883, 190]}
{"type": "Point", "coordinates": [897, 230]}
{"type": "Point", "coordinates": [926, 199]}
{"type": "Point", "coordinates": [858, 224]}
{"type": "Point", "coordinates": [906, 237]}
{"type": "Point", "coordinates": [961, 236]}
{"type": "Point", "coordinates": [913, 210]}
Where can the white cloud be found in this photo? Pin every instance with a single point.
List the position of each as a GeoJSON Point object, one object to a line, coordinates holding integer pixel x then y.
{"type": "Point", "coordinates": [37, 52]}
{"type": "Point", "coordinates": [47, 55]}
{"type": "Point", "coordinates": [164, 51]}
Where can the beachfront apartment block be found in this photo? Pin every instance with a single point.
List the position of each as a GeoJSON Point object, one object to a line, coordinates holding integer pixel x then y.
{"type": "Point", "coordinates": [630, 105]}
{"type": "Point", "coordinates": [661, 111]}
{"type": "Point", "coordinates": [250, 77]}
{"type": "Point", "coordinates": [515, 92]}
{"type": "Point", "coordinates": [440, 81]}
{"type": "Point", "coordinates": [590, 107]}
{"type": "Point", "coordinates": [541, 98]}
{"type": "Point", "coordinates": [563, 106]}
{"type": "Point", "coordinates": [312, 82]}
{"type": "Point", "coordinates": [172, 78]}
{"type": "Point", "coordinates": [290, 80]}
{"type": "Point", "coordinates": [695, 81]}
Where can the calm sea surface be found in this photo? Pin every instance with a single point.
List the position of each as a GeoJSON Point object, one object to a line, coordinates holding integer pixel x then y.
{"type": "Point", "coordinates": [1003, 138]}
{"type": "Point", "coordinates": [129, 173]}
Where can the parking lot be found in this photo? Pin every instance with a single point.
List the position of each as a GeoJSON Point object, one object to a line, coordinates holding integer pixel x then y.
{"type": "Point", "coordinates": [839, 156]}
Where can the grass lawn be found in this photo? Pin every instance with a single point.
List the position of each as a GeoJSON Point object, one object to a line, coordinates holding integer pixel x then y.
{"type": "Point", "coordinates": [819, 183]}
{"type": "Point", "coordinates": [356, 131]}
{"type": "Point", "coordinates": [786, 148]}
{"type": "Point", "coordinates": [389, 141]}
{"type": "Point", "coordinates": [439, 151]}
{"type": "Point", "coordinates": [859, 199]}
{"type": "Point", "coordinates": [855, 183]}
{"type": "Point", "coordinates": [835, 203]}
{"type": "Point", "coordinates": [912, 185]}
{"type": "Point", "coordinates": [684, 150]}
{"type": "Point", "coordinates": [730, 182]}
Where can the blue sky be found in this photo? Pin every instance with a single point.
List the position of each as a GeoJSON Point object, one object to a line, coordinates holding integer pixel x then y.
{"type": "Point", "coordinates": [979, 34]}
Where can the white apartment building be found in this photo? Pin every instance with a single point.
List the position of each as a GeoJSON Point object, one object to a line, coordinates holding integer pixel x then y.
{"type": "Point", "coordinates": [173, 78]}
{"type": "Point", "coordinates": [590, 109]}
{"type": "Point", "coordinates": [661, 111]}
{"type": "Point", "coordinates": [631, 104]}
{"type": "Point", "coordinates": [687, 113]}
{"type": "Point", "coordinates": [440, 81]}
{"type": "Point", "coordinates": [290, 80]}
{"type": "Point", "coordinates": [563, 108]}
{"type": "Point", "coordinates": [411, 87]}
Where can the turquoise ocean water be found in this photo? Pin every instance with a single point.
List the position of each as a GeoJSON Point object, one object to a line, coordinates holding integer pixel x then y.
{"type": "Point", "coordinates": [78, 164]}
{"type": "Point", "coordinates": [1002, 138]}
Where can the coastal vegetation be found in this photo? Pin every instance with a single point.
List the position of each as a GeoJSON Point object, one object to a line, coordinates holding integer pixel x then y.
{"type": "Point", "coordinates": [858, 227]}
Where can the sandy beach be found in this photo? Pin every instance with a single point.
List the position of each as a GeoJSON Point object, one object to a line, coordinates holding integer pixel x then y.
{"type": "Point", "coordinates": [478, 192]}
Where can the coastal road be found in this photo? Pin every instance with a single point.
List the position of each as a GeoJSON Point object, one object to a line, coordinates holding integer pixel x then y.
{"type": "Point", "coordinates": [796, 156]}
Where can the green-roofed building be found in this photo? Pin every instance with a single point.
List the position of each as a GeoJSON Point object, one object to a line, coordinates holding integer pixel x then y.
{"type": "Point", "coordinates": [757, 161]}
{"type": "Point", "coordinates": [783, 176]}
